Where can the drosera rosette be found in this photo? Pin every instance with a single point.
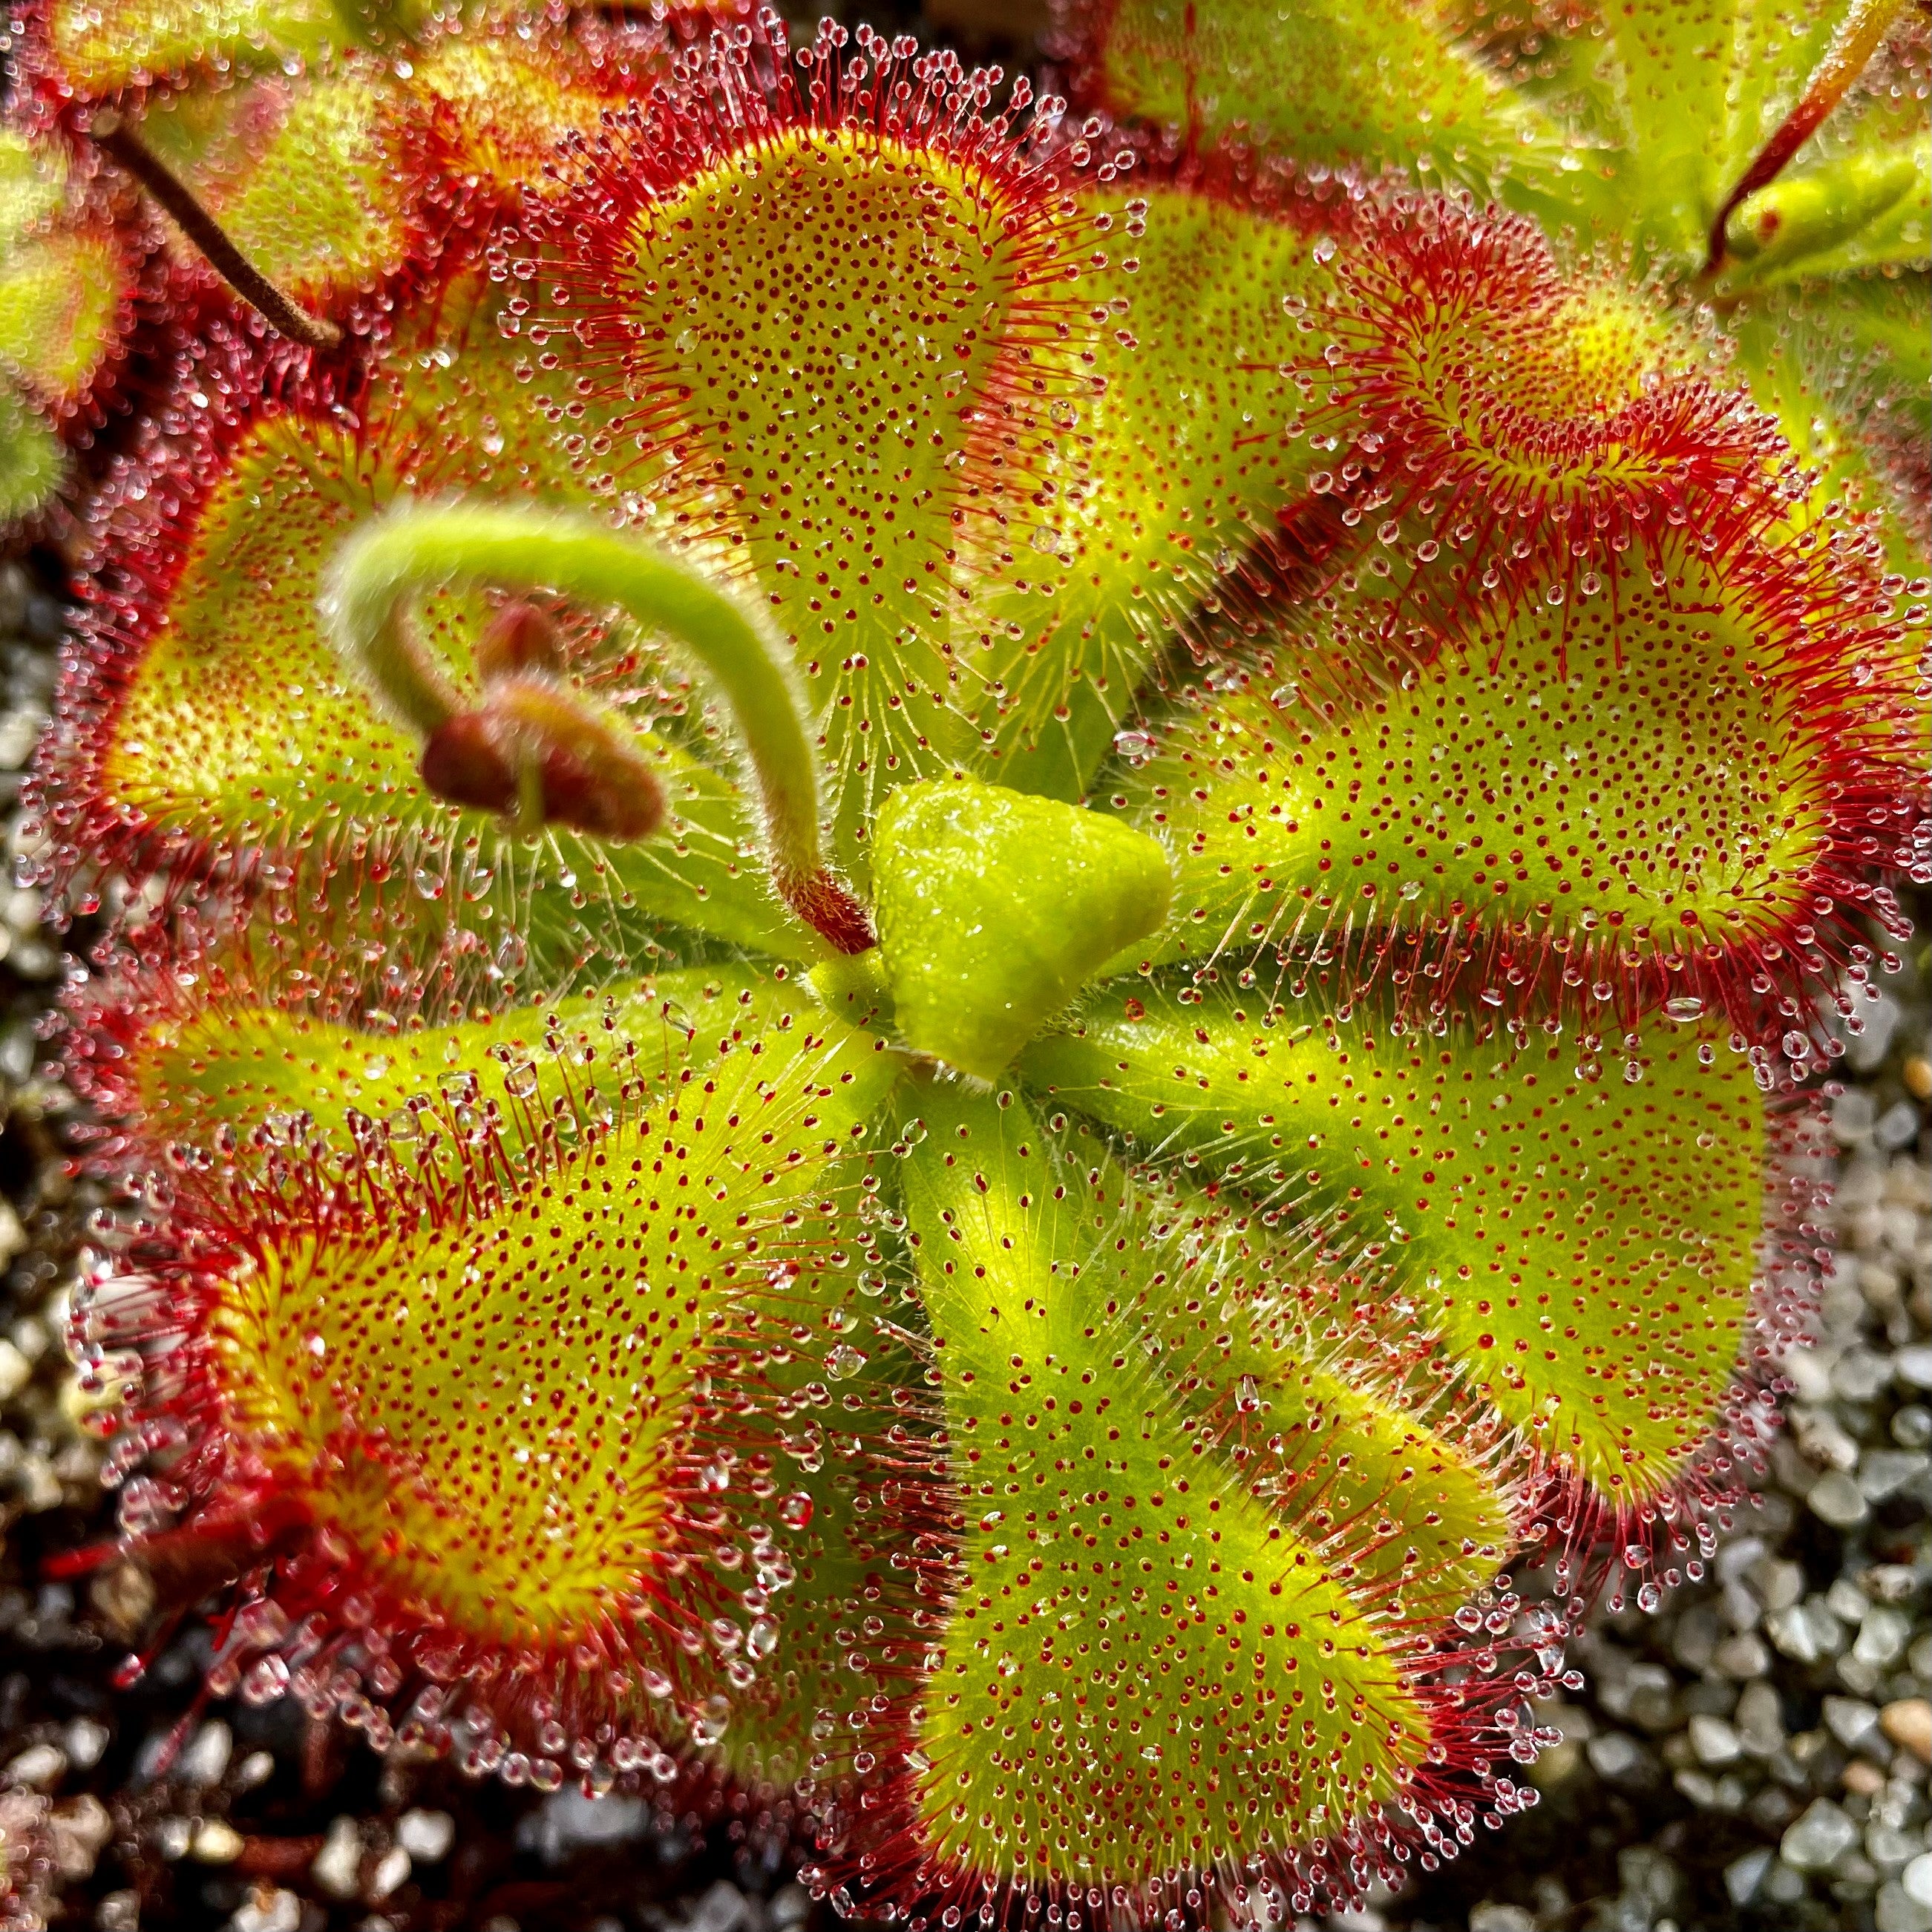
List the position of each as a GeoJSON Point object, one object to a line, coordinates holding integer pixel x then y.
{"type": "Point", "coordinates": [789, 691]}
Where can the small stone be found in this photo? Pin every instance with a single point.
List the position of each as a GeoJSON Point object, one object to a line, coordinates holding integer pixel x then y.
{"type": "Point", "coordinates": [16, 1371]}
{"type": "Point", "coordinates": [1615, 1755]}
{"type": "Point", "coordinates": [1824, 1439]}
{"type": "Point", "coordinates": [1852, 1115]}
{"type": "Point", "coordinates": [1889, 1849]}
{"type": "Point", "coordinates": [1882, 1636]}
{"type": "Point", "coordinates": [1848, 1720]}
{"type": "Point", "coordinates": [1743, 1876]}
{"type": "Point", "coordinates": [216, 1843]}
{"type": "Point", "coordinates": [270, 1909]}
{"type": "Point", "coordinates": [1760, 1720]}
{"type": "Point", "coordinates": [1696, 1637]}
{"type": "Point", "coordinates": [1834, 1498]}
{"type": "Point", "coordinates": [118, 1912]}
{"type": "Point", "coordinates": [85, 1740]}
{"type": "Point", "coordinates": [1917, 1880]}
{"type": "Point", "coordinates": [1860, 1373]}
{"type": "Point", "coordinates": [257, 1768]}
{"type": "Point", "coordinates": [337, 1867]}
{"type": "Point", "coordinates": [1713, 1741]}
{"type": "Point", "coordinates": [1891, 1583]}
{"type": "Point", "coordinates": [1908, 1723]}
{"type": "Point", "coordinates": [1913, 1366]}
{"type": "Point", "coordinates": [1491, 1917]}
{"type": "Point", "coordinates": [1790, 1630]}
{"type": "Point", "coordinates": [1819, 1836]}
{"type": "Point", "coordinates": [1898, 1126]}
{"type": "Point", "coordinates": [1884, 1472]}
{"type": "Point", "coordinates": [1897, 1911]}
{"type": "Point", "coordinates": [1862, 1778]}
{"type": "Point", "coordinates": [1780, 1585]}
{"type": "Point", "coordinates": [1736, 1558]}
{"type": "Point", "coordinates": [392, 1870]}
{"type": "Point", "coordinates": [203, 1762]}
{"type": "Point", "coordinates": [1741, 1658]}
{"type": "Point", "coordinates": [76, 1832]}
{"type": "Point", "coordinates": [1912, 1425]}
{"type": "Point", "coordinates": [39, 1767]}
{"type": "Point", "coordinates": [426, 1836]}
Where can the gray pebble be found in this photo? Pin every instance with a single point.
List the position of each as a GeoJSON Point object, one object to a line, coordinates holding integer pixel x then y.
{"type": "Point", "coordinates": [1913, 1366]}
{"type": "Point", "coordinates": [1834, 1498]}
{"type": "Point", "coordinates": [1489, 1918]}
{"type": "Point", "coordinates": [1818, 1838]}
{"type": "Point", "coordinates": [1883, 1472]}
{"type": "Point", "coordinates": [1742, 1658]}
{"type": "Point", "coordinates": [1850, 1720]}
{"type": "Point", "coordinates": [1897, 1911]}
{"type": "Point", "coordinates": [1713, 1742]}
{"type": "Point", "coordinates": [1616, 1756]}
{"type": "Point", "coordinates": [1760, 1722]}
{"type": "Point", "coordinates": [1743, 1876]}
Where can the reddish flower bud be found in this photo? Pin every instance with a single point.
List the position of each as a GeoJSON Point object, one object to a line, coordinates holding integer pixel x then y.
{"type": "Point", "coordinates": [595, 777]}
{"type": "Point", "coordinates": [520, 637]}
{"type": "Point", "coordinates": [606, 798]}
{"type": "Point", "coordinates": [464, 762]}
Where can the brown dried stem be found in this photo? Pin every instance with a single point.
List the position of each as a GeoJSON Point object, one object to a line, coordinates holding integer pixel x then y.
{"type": "Point", "coordinates": [113, 135]}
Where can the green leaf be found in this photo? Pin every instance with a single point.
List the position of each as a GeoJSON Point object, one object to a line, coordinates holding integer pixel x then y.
{"type": "Point", "coordinates": [1145, 1668]}
{"type": "Point", "coordinates": [596, 1299]}
{"type": "Point", "coordinates": [994, 908]}
{"type": "Point", "coordinates": [1519, 778]}
{"type": "Point", "coordinates": [61, 294]}
{"type": "Point", "coordinates": [823, 404]}
{"type": "Point", "coordinates": [1330, 83]}
{"type": "Point", "coordinates": [31, 459]}
{"type": "Point", "coordinates": [311, 178]}
{"type": "Point", "coordinates": [1171, 475]}
{"type": "Point", "coordinates": [100, 47]}
{"type": "Point", "coordinates": [661, 1151]}
{"type": "Point", "coordinates": [202, 743]}
{"type": "Point", "coordinates": [1846, 366]}
{"type": "Point", "coordinates": [1583, 1245]}
{"type": "Point", "coordinates": [33, 185]}
{"type": "Point", "coordinates": [239, 1063]}
{"type": "Point", "coordinates": [99, 50]}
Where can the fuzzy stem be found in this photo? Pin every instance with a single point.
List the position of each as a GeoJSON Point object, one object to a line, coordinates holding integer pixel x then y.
{"type": "Point", "coordinates": [415, 545]}
{"type": "Point", "coordinates": [115, 138]}
{"type": "Point", "coordinates": [1854, 42]}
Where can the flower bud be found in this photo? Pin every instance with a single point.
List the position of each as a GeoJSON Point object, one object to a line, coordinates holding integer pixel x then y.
{"type": "Point", "coordinates": [463, 761]}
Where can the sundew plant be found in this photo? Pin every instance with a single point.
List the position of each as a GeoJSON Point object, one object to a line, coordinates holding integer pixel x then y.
{"type": "Point", "coordinates": [959, 927]}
